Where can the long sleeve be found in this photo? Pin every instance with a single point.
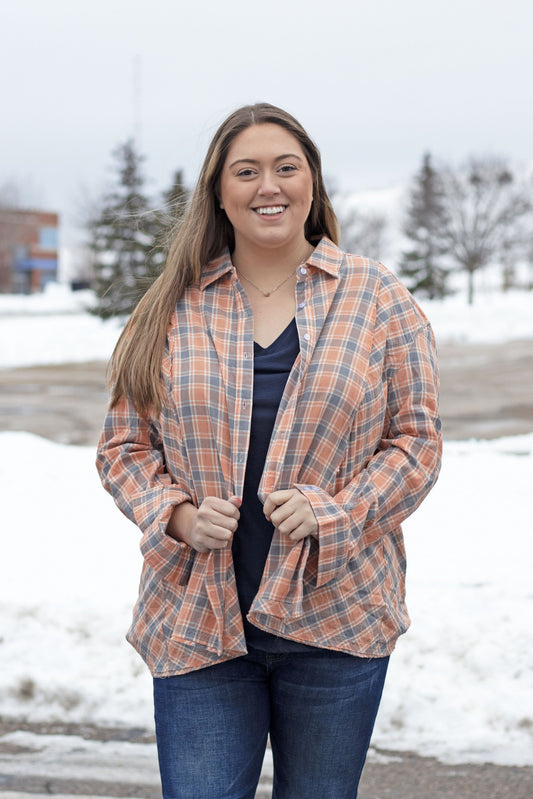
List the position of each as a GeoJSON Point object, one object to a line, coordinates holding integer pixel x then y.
{"type": "Point", "coordinates": [132, 468]}
{"type": "Point", "coordinates": [399, 474]}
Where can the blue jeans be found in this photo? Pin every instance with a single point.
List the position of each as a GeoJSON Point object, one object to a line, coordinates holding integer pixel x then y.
{"type": "Point", "coordinates": [319, 708]}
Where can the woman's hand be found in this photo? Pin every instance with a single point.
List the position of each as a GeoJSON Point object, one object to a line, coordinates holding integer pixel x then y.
{"type": "Point", "coordinates": [211, 526]}
{"type": "Point", "coordinates": [291, 512]}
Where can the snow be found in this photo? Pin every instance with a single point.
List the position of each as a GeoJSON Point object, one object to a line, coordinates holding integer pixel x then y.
{"type": "Point", "coordinates": [72, 757]}
{"type": "Point", "coordinates": [36, 340]}
{"type": "Point", "coordinates": [52, 328]}
{"type": "Point", "coordinates": [460, 682]}
{"type": "Point", "coordinates": [493, 318]}
{"type": "Point", "coordinates": [56, 298]}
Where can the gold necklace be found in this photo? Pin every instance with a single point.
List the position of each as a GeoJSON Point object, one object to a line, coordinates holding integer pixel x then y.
{"type": "Point", "coordinates": [268, 293]}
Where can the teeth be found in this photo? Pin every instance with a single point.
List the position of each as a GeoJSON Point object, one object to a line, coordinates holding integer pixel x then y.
{"type": "Point", "coordinates": [275, 209]}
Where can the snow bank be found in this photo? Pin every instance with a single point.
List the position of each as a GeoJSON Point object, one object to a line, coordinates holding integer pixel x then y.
{"type": "Point", "coordinates": [493, 318]}
{"type": "Point", "coordinates": [29, 337]}
{"type": "Point", "coordinates": [460, 683]}
{"type": "Point", "coordinates": [56, 298]}
{"type": "Point", "coordinates": [53, 327]}
{"type": "Point", "coordinates": [459, 686]}
{"type": "Point", "coordinates": [73, 338]}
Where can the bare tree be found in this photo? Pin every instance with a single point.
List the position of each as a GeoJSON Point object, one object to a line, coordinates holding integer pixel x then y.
{"type": "Point", "coordinates": [517, 247]}
{"type": "Point", "coordinates": [529, 261]}
{"type": "Point", "coordinates": [364, 233]}
{"type": "Point", "coordinates": [483, 208]}
{"type": "Point", "coordinates": [20, 195]}
{"type": "Point", "coordinates": [86, 208]}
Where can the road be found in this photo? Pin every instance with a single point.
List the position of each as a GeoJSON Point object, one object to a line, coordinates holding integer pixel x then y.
{"type": "Point", "coordinates": [486, 392]}
{"type": "Point", "coordinates": [43, 760]}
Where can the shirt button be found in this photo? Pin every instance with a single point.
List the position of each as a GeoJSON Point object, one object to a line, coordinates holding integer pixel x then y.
{"type": "Point", "coordinates": [303, 270]}
{"type": "Point", "coordinates": [307, 337]}
{"type": "Point", "coordinates": [245, 356]}
{"type": "Point", "coordinates": [301, 305]}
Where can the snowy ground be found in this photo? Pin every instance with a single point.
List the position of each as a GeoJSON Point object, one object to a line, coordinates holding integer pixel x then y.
{"type": "Point", "coordinates": [460, 685]}
{"type": "Point", "coordinates": [55, 328]}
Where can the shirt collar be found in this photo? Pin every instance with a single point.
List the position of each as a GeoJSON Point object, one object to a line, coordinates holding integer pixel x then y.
{"type": "Point", "coordinates": [215, 269]}
{"type": "Point", "coordinates": [326, 257]}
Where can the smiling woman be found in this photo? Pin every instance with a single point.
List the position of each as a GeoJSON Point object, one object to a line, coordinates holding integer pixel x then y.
{"type": "Point", "coordinates": [274, 419]}
{"type": "Point", "coordinates": [266, 190]}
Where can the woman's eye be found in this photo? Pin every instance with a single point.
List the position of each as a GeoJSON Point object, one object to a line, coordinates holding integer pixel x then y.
{"type": "Point", "coordinates": [244, 173]}
{"type": "Point", "coordinates": [287, 168]}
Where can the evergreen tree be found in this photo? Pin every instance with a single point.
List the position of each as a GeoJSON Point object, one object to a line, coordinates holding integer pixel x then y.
{"type": "Point", "coordinates": [421, 266]}
{"type": "Point", "coordinates": [174, 201]}
{"type": "Point", "coordinates": [175, 198]}
{"type": "Point", "coordinates": [123, 238]}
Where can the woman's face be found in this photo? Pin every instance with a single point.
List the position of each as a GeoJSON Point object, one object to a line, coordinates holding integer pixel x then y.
{"type": "Point", "coordinates": [266, 188]}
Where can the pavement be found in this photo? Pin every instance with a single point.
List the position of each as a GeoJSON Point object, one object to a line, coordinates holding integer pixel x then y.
{"type": "Point", "coordinates": [85, 762]}
{"type": "Point", "coordinates": [486, 392]}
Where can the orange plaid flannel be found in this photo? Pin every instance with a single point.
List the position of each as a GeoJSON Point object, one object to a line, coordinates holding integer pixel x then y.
{"type": "Point", "coordinates": [357, 432]}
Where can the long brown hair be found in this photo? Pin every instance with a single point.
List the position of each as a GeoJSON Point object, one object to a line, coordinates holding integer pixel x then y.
{"type": "Point", "coordinates": [203, 234]}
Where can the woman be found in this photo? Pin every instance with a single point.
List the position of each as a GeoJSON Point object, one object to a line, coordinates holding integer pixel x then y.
{"type": "Point", "coordinates": [273, 421]}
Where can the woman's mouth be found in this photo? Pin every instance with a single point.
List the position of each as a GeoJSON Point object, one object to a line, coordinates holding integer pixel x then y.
{"type": "Point", "coordinates": [270, 210]}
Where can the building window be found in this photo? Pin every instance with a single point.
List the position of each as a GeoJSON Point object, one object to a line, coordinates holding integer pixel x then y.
{"type": "Point", "coordinates": [48, 238]}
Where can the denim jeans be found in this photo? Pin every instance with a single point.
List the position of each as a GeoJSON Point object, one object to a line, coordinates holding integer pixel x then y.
{"type": "Point", "coordinates": [319, 708]}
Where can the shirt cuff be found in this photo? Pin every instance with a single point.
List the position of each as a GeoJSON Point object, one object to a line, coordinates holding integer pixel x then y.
{"type": "Point", "coordinates": [336, 544]}
{"type": "Point", "coordinates": [160, 551]}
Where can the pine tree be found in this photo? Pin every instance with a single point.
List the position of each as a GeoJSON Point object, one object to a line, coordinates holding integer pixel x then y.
{"type": "Point", "coordinates": [422, 266]}
{"type": "Point", "coordinates": [169, 215]}
{"type": "Point", "coordinates": [175, 198]}
{"type": "Point", "coordinates": [123, 238]}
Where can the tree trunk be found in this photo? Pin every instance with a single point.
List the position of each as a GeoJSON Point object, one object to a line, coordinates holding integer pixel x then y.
{"type": "Point", "coordinates": [470, 286]}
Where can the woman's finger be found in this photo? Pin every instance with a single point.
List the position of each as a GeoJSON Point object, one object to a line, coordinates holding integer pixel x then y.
{"type": "Point", "coordinates": [275, 500]}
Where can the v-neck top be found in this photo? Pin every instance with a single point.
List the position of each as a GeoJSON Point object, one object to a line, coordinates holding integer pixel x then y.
{"type": "Point", "coordinates": [253, 537]}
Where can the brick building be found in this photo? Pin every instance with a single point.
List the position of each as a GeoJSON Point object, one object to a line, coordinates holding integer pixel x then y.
{"type": "Point", "coordinates": [28, 250]}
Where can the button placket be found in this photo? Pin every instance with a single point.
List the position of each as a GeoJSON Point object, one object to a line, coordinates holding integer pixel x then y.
{"type": "Point", "coordinates": [302, 304]}
{"type": "Point", "coordinates": [243, 406]}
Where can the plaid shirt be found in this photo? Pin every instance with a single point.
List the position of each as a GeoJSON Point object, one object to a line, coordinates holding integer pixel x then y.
{"type": "Point", "coordinates": [357, 432]}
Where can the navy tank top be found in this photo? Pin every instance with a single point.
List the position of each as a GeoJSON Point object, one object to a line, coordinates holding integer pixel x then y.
{"type": "Point", "coordinates": [252, 539]}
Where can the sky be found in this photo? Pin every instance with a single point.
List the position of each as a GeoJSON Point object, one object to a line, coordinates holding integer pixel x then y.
{"type": "Point", "coordinates": [375, 82]}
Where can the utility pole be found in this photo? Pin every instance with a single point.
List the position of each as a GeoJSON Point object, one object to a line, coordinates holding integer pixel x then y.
{"type": "Point", "coordinates": [137, 98]}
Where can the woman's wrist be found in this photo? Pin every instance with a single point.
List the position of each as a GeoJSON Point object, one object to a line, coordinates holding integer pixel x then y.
{"type": "Point", "coordinates": [180, 523]}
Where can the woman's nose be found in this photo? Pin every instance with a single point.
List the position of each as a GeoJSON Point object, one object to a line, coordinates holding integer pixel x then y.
{"type": "Point", "coordinates": [269, 184]}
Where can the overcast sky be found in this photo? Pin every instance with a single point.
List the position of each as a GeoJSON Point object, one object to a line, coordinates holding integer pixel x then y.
{"type": "Point", "coordinates": [375, 82]}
